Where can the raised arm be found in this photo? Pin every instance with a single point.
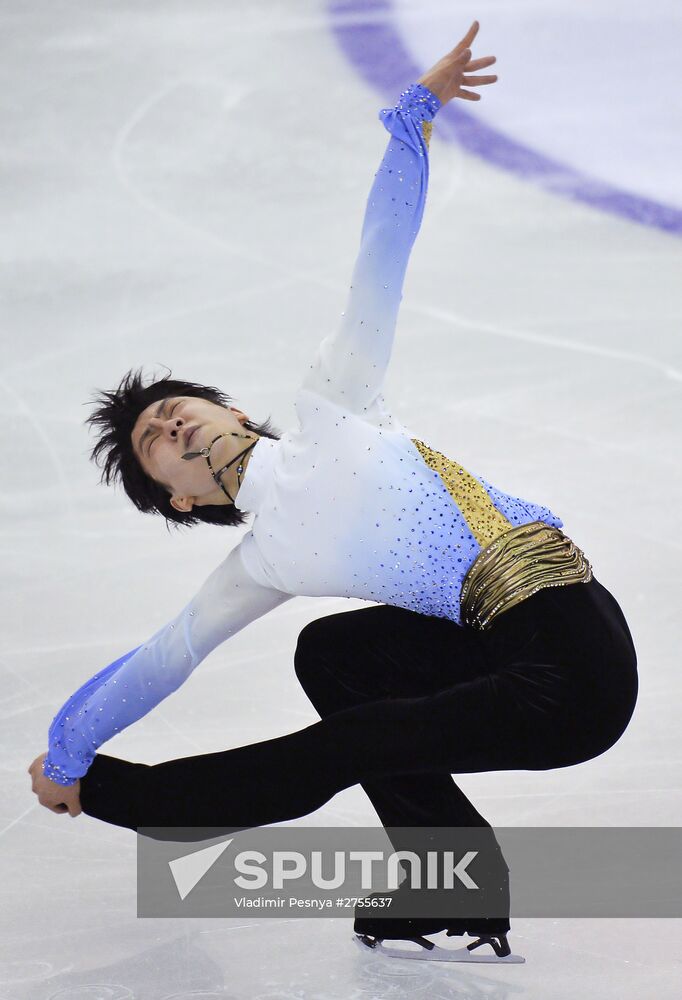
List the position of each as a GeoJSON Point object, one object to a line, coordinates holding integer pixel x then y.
{"type": "Point", "coordinates": [351, 363]}
{"type": "Point", "coordinates": [131, 686]}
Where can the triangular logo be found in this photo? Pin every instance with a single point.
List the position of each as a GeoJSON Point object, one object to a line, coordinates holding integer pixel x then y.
{"type": "Point", "coordinates": [187, 871]}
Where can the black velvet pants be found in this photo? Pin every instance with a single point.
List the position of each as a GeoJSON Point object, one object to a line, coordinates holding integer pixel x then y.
{"type": "Point", "coordinates": [406, 701]}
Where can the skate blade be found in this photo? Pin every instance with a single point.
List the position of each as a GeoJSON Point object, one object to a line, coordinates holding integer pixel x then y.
{"type": "Point", "coordinates": [437, 954]}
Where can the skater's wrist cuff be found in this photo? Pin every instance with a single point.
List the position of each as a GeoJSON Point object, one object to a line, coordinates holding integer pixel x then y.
{"type": "Point", "coordinates": [419, 101]}
{"type": "Point", "coordinates": [55, 773]}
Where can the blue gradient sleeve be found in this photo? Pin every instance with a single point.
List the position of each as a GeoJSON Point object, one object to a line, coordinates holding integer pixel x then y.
{"type": "Point", "coordinates": [351, 362]}
{"type": "Point", "coordinates": [133, 685]}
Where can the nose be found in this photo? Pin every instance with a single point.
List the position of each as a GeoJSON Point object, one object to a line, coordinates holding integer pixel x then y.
{"type": "Point", "coordinates": [171, 425]}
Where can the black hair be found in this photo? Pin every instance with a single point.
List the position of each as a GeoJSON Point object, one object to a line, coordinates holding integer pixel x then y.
{"type": "Point", "coordinates": [115, 416]}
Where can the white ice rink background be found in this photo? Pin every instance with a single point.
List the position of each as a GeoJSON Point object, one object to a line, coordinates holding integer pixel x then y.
{"type": "Point", "coordinates": [183, 184]}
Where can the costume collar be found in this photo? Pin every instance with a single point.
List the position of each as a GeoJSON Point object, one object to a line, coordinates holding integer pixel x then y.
{"type": "Point", "coordinates": [257, 476]}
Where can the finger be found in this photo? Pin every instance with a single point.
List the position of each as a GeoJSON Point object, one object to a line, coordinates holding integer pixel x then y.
{"type": "Point", "coordinates": [468, 38]}
{"type": "Point", "coordinates": [471, 34]}
{"type": "Point", "coordinates": [474, 81]}
{"type": "Point", "coordinates": [482, 63]}
{"type": "Point", "coordinates": [54, 809]}
{"type": "Point", "coordinates": [468, 95]}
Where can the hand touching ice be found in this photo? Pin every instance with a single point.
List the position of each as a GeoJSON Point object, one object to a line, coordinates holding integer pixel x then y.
{"type": "Point", "coordinates": [447, 77]}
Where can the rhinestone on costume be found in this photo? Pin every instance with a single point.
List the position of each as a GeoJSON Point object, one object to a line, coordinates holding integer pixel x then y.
{"type": "Point", "coordinates": [356, 506]}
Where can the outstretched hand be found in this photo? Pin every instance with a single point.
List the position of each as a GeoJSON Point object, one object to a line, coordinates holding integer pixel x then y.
{"type": "Point", "coordinates": [447, 77]}
{"type": "Point", "coordinates": [58, 798]}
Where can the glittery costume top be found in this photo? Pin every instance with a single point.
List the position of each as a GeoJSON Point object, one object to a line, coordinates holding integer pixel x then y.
{"type": "Point", "coordinates": [349, 503]}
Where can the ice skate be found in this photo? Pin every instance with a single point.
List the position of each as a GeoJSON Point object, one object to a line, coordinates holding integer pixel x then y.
{"type": "Point", "coordinates": [412, 932]}
{"type": "Point", "coordinates": [371, 931]}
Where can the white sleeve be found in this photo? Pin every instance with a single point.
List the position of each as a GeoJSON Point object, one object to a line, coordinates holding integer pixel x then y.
{"type": "Point", "coordinates": [351, 362]}
{"type": "Point", "coordinates": [131, 686]}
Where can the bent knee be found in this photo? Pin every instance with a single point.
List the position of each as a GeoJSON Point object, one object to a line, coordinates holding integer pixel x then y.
{"type": "Point", "coordinates": [318, 641]}
{"type": "Point", "coordinates": [307, 650]}
{"type": "Point", "coordinates": [587, 740]}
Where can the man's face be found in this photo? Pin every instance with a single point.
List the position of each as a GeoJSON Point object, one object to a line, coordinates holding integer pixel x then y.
{"type": "Point", "coordinates": [159, 440]}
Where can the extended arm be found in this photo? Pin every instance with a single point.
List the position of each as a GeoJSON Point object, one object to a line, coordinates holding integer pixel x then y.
{"type": "Point", "coordinates": [131, 686]}
{"type": "Point", "coordinates": [351, 362]}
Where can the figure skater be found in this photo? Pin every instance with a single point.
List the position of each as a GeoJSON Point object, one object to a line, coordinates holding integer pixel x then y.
{"type": "Point", "coordinates": [491, 645]}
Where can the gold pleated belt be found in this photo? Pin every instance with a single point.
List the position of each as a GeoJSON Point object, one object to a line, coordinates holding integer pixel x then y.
{"type": "Point", "coordinates": [517, 564]}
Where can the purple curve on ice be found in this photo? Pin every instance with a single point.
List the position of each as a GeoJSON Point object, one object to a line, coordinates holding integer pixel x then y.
{"type": "Point", "coordinates": [374, 46]}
